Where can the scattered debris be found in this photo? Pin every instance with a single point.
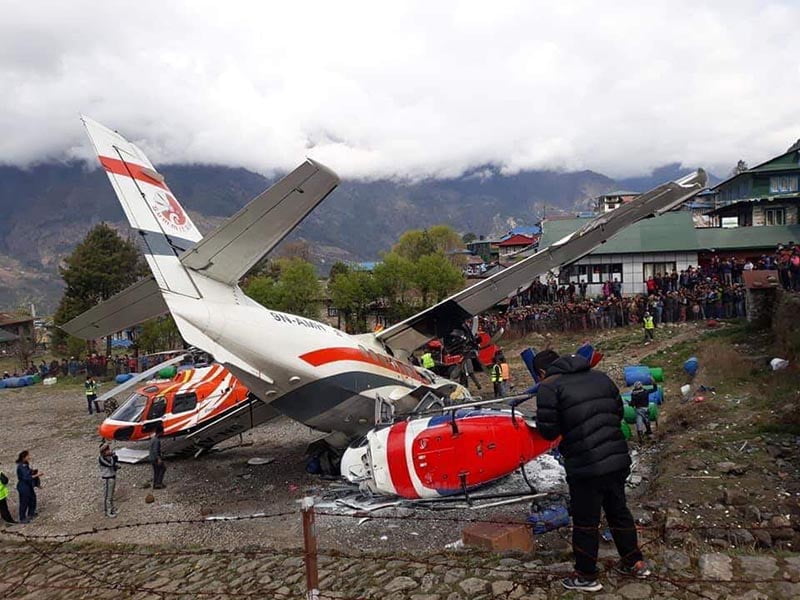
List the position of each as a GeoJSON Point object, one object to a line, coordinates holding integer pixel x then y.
{"type": "Point", "coordinates": [131, 456]}
{"type": "Point", "coordinates": [778, 364]}
{"type": "Point", "coordinates": [257, 460]}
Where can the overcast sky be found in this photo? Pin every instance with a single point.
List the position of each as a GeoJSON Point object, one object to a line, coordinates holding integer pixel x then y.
{"type": "Point", "coordinates": [405, 88]}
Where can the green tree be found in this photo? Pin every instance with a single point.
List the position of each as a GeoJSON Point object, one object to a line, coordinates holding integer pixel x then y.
{"type": "Point", "coordinates": [436, 277]}
{"type": "Point", "coordinates": [445, 239]}
{"type": "Point", "coordinates": [416, 243]}
{"type": "Point", "coordinates": [159, 334]}
{"type": "Point", "coordinates": [468, 237]}
{"type": "Point", "coordinates": [394, 278]}
{"type": "Point", "coordinates": [295, 290]}
{"type": "Point", "coordinates": [102, 265]}
{"type": "Point", "coordinates": [337, 269]}
{"type": "Point", "coordinates": [352, 293]}
{"type": "Point", "coordinates": [413, 244]}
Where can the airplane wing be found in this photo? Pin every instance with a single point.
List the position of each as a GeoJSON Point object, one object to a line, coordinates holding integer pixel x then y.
{"type": "Point", "coordinates": [133, 305]}
{"type": "Point", "coordinates": [239, 243]}
{"type": "Point", "coordinates": [405, 337]}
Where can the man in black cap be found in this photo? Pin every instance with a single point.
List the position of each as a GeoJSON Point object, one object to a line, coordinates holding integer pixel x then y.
{"type": "Point", "coordinates": [584, 407]}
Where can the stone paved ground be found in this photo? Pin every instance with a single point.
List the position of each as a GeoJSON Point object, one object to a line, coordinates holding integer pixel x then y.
{"type": "Point", "coordinates": [44, 571]}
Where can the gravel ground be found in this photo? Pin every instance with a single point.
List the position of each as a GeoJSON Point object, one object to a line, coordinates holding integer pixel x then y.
{"type": "Point", "coordinates": [53, 425]}
{"type": "Point", "coordinates": [63, 442]}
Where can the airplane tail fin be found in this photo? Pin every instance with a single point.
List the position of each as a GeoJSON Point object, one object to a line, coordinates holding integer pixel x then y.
{"type": "Point", "coordinates": [151, 208]}
{"type": "Point", "coordinates": [184, 263]}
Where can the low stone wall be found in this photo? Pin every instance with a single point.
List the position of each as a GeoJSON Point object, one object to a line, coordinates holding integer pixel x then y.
{"type": "Point", "coordinates": [786, 324]}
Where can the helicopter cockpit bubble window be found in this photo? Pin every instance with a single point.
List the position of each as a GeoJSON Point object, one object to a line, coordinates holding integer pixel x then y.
{"type": "Point", "coordinates": [131, 409]}
{"type": "Point", "coordinates": [157, 409]}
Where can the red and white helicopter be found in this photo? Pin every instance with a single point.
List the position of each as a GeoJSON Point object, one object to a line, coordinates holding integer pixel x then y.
{"type": "Point", "coordinates": [344, 385]}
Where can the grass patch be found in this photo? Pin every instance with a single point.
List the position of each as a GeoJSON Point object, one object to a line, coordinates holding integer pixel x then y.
{"type": "Point", "coordinates": [779, 428]}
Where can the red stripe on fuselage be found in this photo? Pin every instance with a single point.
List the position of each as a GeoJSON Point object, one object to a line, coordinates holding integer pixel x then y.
{"type": "Point", "coordinates": [126, 169]}
{"type": "Point", "coordinates": [396, 459]}
{"type": "Point", "coordinates": [324, 356]}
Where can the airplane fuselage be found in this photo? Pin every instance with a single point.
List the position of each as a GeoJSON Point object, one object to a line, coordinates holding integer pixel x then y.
{"type": "Point", "coordinates": [307, 370]}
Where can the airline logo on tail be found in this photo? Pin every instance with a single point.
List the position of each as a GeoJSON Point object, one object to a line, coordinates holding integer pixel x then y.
{"type": "Point", "coordinates": [170, 212]}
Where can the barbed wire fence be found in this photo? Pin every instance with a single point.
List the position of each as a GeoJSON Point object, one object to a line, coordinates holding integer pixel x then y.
{"type": "Point", "coordinates": [57, 549]}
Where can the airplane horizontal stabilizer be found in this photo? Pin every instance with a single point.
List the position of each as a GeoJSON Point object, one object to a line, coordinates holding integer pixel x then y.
{"type": "Point", "coordinates": [133, 305]}
{"type": "Point", "coordinates": [238, 244]}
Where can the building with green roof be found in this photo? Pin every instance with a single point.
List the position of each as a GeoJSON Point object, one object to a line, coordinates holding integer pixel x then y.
{"type": "Point", "coordinates": [767, 194]}
{"type": "Point", "coordinates": [661, 245]}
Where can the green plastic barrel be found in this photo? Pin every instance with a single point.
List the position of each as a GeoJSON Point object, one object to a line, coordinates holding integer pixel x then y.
{"type": "Point", "coordinates": [629, 414]}
{"type": "Point", "coordinates": [167, 372]}
{"type": "Point", "coordinates": [657, 373]}
{"type": "Point", "coordinates": [626, 430]}
{"type": "Point", "coordinates": [652, 412]}
{"type": "Point", "coordinates": [37, 378]}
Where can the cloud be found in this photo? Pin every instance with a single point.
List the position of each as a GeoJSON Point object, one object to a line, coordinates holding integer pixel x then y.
{"type": "Point", "coordinates": [404, 89]}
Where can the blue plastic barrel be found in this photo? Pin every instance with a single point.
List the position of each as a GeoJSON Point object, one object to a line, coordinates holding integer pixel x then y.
{"type": "Point", "coordinates": [656, 395]}
{"type": "Point", "coordinates": [636, 373]}
{"type": "Point", "coordinates": [691, 366]}
{"type": "Point", "coordinates": [123, 377]}
{"type": "Point", "coordinates": [2, 383]}
{"type": "Point", "coordinates": [13, 382]}
{"type": "Point", "coordinates": [29, 380]}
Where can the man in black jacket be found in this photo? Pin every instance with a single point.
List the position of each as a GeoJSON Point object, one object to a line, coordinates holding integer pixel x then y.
{"type": "Point", "coordinates": [584, 407]}
{"type": "Point", "coordinates": [156, 459]}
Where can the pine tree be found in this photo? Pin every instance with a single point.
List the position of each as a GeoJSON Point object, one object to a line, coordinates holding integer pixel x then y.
{"type": "Point", "coordinates": [102, 265]}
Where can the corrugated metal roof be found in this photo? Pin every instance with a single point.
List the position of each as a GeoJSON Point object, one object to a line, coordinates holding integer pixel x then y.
{"type": "Point", "coordinates": [675, 232]}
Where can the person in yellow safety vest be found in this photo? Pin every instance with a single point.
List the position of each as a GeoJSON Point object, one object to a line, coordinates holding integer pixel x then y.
{"type": "Point", "coordinates": [497, 377]}
{"type": "Point", "coordinates": [427, 360]}
{"type": "Point", "coordinates": [91, 393]}
{"type": "Point", "coordinates": [505, 373]}
{"type": "Point", "coordinates": [649, 326]}
{"type": "Point", "coordinates": [4, 512]}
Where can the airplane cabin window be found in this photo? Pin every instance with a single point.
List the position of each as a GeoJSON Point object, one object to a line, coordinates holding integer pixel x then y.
{"type": "Point", "coordinates": [157, 409]}
{"type": "Point", "coordinates": [184, 403]}
{"type": "Point", "coordinates": [131, 409]}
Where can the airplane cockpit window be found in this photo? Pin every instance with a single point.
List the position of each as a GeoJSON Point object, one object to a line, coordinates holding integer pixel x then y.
{"type": "Point", "coordinates": [157, 409]}
{"type": "Point", "coordinates": [184, 402]}
{"type": "Point", "coordinates": [131, 409]}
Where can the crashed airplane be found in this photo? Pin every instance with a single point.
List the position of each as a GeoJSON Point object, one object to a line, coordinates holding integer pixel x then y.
{"type": "Point", "coordinates": [344, 385]}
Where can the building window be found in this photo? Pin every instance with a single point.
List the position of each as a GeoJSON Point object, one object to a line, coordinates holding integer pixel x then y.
{"type": "Point", "coordinates": [593, 273]}
{"type": "Point", "coordinates": [782, 184]}
{"type": "Point", "coordinates": [775, 216]}
{"type": "Point", "coordinates": [655, 269]}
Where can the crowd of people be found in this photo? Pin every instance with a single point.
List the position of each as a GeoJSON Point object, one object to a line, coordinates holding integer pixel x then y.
{"type": "Point", "coordinates": [95, 365]}
{"type": "Point", "coordinates": [713, 291]}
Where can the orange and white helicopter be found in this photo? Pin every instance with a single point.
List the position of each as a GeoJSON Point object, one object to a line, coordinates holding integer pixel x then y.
{"type": "Point", "coordinates": [344, 385]}
{"type": "Point", "coordinates": [190, 405]}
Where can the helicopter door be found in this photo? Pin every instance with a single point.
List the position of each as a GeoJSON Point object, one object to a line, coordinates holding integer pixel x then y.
{"type": "Point", "coordinates": [157, 410]}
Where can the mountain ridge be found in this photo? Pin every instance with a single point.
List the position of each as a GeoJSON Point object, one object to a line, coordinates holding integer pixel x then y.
{"type": "Point", "coordinates": [47, 209]}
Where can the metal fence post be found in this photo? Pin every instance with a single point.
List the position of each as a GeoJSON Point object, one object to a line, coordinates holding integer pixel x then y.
{"type": "Point", "coordinates": [310, 544]}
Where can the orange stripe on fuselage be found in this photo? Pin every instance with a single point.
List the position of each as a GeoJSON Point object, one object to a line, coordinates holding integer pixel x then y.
{"type": "Point", "coordinates": [325, 356]}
